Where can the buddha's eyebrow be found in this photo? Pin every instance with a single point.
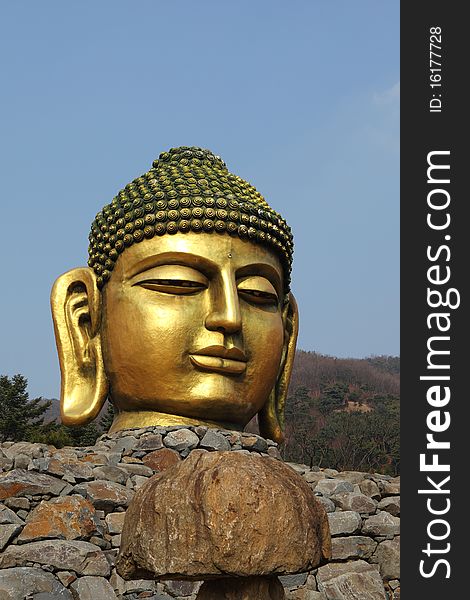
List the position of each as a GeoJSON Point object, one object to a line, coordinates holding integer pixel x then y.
{"type": "Point", "coordinates": [194, 261]}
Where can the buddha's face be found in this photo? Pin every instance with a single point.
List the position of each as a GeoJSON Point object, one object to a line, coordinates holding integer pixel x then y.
{"type": "Point", "coordinates": [192, 326]}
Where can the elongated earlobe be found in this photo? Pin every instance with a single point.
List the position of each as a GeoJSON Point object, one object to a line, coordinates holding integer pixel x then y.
{"type": "Point", "coordinates": [76, 311]}
{"type": "Point", "coordinates": [271, 416]}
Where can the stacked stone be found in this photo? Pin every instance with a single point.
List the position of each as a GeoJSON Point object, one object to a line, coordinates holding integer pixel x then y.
{"type": "Point", "coordinates": [62, 512]}
{"type": "Point", "coordinates": [364, 515]}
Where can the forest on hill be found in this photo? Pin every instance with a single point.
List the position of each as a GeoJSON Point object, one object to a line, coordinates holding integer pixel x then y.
{"type": "Point", "coordinates": [380, 373]}
{"type": "Point", "coordinates": [344, 413]}
{"type": "Point", "coordinates": [341, 413]}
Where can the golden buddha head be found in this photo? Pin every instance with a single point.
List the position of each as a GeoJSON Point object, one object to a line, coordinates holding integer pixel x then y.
{"type": "Point", "coordinates": [184, 314]}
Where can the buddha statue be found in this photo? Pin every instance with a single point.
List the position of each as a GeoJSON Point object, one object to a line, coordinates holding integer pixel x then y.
{"type": "Point", "coordinates": [184, 315]}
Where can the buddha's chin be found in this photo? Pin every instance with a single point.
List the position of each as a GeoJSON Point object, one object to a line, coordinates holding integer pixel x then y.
{"type": "Point", "coordinates": [229, 413]}
{"type": "Point", "coordinates": [152, 418]}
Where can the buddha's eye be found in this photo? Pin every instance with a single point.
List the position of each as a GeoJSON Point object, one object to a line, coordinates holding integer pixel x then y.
{"type": "Point", "coordinates": [258, 297]}
{"type": "Point", "coordinates": [258, 290]}
{"type": "Point", "coordinates": [173, 279]}
{"type": "Point", "coordinates": [172, 286]}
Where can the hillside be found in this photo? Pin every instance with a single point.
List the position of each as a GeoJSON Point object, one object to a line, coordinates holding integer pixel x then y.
{"type": "Point", "coordinates": [380, 374]}
{"type": "Point", "coordinates": [344, 413]}
{"type": "Point", "coordinates": [53, 412]}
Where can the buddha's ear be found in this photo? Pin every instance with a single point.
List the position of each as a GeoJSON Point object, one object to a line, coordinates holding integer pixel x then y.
{"type": "Point", "coordinates": [76, 311]}
{"type": "Point", "coordinates": [271, 416]}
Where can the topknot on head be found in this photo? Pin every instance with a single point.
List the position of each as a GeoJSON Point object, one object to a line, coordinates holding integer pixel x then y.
{"type": "Point", "coordinates": [188, 189]}
{"type": "Point", "coordinates": [190, 155]}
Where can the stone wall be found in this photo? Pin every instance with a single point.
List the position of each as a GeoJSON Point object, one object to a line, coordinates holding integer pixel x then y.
{"type": "Point", "coordinates": [62, 511]}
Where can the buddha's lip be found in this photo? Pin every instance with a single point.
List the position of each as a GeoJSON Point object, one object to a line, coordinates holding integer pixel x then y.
{"type": "Point", "coordinates": [219, 359]}
{"type": "Point", "coordinates": [221, 352]}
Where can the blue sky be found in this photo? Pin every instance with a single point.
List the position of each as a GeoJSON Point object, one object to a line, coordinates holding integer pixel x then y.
{"type": "Point", "coordinates": [299, 98]}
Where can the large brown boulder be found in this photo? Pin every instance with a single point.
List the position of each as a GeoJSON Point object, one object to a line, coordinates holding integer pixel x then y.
{"type": "Point", "coordinates": [223, 514]}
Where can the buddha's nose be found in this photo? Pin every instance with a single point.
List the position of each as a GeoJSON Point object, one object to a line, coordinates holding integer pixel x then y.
{"type": "Point", "coordinates": [224, 313]}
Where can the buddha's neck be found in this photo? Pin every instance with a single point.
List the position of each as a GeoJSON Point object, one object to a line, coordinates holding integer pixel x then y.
{"type": "Point", "coordinates": [149, 418]}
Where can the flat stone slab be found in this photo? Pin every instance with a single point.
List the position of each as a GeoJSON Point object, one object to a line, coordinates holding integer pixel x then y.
{"type": "Point", "coordinates": [115, 522]}
{"type": "Point", "coordinates": [313, 477]}
{"type": "Point", "coordinates": [32, 449]}
{"type": "Point", "coordinates": [383, 523]}
{"type": "Point", "coordinates": [7, 532]}
{"type": "Point", "coordinates": [254, 442]}
{"type": "Point", "coordinates": [105, 495]}
{"type": "Point", "coordinates": [355, 580]}
{"type": "Point", "coordinates": [160, 460]}
{"type": "Point", "coordinates": [67, 517]}
{"type": "Point", "coordinates": [214, 441]}
{"type": "Point", "coordinates": [20, 482]}
{"type": "Point", "coordinates": [293, 581]}
{"type": "Point", "coordinates": [369, 488]}
{"type": "Point", "coordinates": [111, 473]}
{"type": "Point", "coordinates": [82, 557]}
{"type": "Point", "coordinates": [181, 439]}
{"type": "Point", "coordinates": [150, 442]}
{"type": "Point", "coordinates": [20, 582]}
{"type": "Point", "coordinates": [353, 477]}
{"type": "Point", "coordinates": [344, 522]}
{"type": "Point", "coordinates": [390, 504]}
{"type": "Point", "coordinates": [387, 556]}
{"type": "Point", "coordinates": [8, 516]}
{"type": "Point", "coordinates": [92, 588]}
{"type": "Point", "coordinates": [389, 488]}
{"type": "Point", "coordinates": [327, 504]}
{"type": "Point", "coordinates": [353, 501]}
{"type": "Point", "coordinates": [353, 546]}
{"type": "Point", "coordinates": [330, 487]}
